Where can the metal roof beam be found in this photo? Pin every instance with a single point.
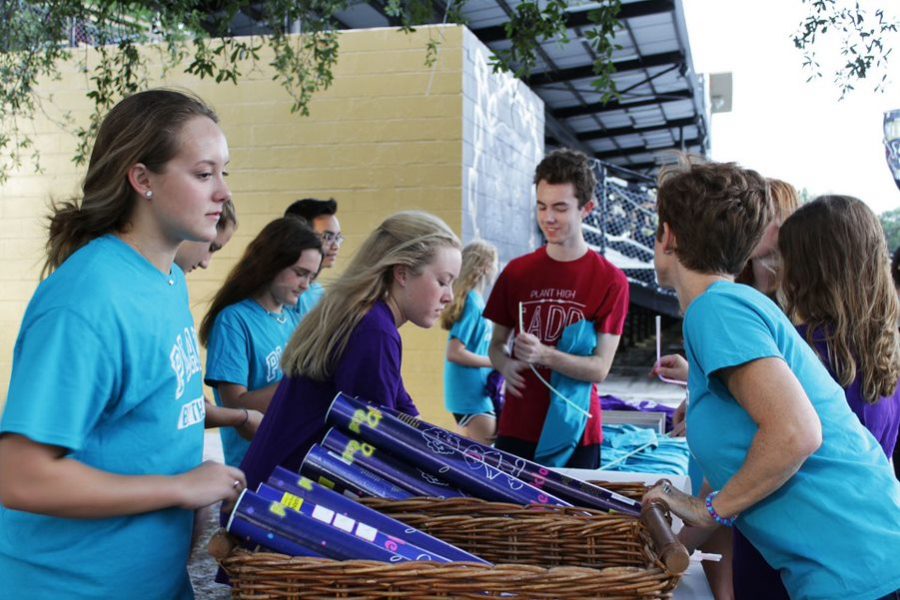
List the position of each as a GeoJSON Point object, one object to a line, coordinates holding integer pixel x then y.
{"type": "Point", "coordinates": [557, 134]}
{"type": "Point", "coordinates": [614, 105]}
{"type": "Point", "coordinates": [496, 33]}
{"type": "Point", "coordinates": [583, 72]}
{"type": "Point", "coordinates": [644, 150]}
{"type": "Point", "coordinates": [616, 131]}
{"type": "Point", "coordinates": [640, 166]}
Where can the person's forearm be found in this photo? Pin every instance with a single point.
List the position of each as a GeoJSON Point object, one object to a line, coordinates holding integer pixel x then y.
{"type": "Point", "coordinates": [789, 431]}
{"type": "Point", "coordinates": [221, 416]}
{"type": "Point", "coordinates": [256, 400]}
{"type": "Point", "coordinates": [773, 458]}
{"type": "Point", "coordinates": [62, 487]}
{"type": "Point", "coordinates": [583, 368]}
{"type": "Point", "coordinates": [498, 356]}
{"type": "Point", "coordinates": [458, 354]}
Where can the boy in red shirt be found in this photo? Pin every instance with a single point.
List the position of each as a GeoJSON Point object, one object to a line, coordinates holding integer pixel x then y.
{"type": "Point", "coordinates": [554, 288]}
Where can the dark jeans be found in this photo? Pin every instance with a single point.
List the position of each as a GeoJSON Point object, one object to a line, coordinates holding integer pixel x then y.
{"type": "Point", "coordinates": [584, 457]}
{"type": "Point", "coordinates": [751, 575]}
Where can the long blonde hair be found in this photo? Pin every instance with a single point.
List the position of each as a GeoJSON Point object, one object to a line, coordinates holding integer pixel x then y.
{"type": "Point", "coordinates": [143, 128]}
{"type": "Point", "coordinates": [836, 279]}
{"type": "Point", "coordinates": [407, 238]}
{"type": "Point", "coordinates": [479, 260]}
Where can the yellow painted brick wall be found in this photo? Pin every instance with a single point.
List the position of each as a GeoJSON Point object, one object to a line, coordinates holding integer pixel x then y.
{"type": "Point", "coordinates": [387, 136]}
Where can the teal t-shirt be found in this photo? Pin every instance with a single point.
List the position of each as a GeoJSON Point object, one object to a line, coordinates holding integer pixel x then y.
{"type": "Point", "coordinates": [107, 366]}
{"type": "Point", "coordinates": [245, 348]}
{"type": "Point", "coordinates": [309, 299]}
{"type": "Point", "coordinates": [464, 387]}
{"type": "Point", "coordinates": [833, 529]}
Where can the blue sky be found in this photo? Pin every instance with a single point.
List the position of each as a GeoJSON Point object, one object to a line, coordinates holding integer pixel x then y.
{"type": "Point", "coordinates": [781, 125]}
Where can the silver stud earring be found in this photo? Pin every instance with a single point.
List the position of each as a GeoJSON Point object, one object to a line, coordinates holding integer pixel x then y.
{"type": "Point", "coordinates": [149, 194]}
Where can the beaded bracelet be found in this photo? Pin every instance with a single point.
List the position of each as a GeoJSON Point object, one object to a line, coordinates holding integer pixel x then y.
{"type": "Point", "coordinates": [727, 522]}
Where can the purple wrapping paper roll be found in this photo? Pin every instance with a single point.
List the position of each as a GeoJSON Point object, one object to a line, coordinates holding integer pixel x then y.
{"type": "Point", "coordinates": [389, 433]}
{"type": "Point", "coordinates": [255, 537]}
{"type": "Point", "coordinates": [577, 492]}
{"type": "Point", "coordinates": [398, 472]}
{"type": "Point", "coordinates": [287, 481]}
{"type": "Point", "coordinates": [329, 540]}
{"type": "Point", "coordinates": [364, 530]}
{"type": "Point", "coordinates": [325, 466]}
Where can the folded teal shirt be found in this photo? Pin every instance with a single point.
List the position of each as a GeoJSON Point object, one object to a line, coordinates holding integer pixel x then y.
{"type": "Point", "coordinates": [564, 424]}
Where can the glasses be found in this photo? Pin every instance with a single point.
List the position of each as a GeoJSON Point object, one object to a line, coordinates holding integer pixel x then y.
{"type": "Point", "coordinates": [332, 238]}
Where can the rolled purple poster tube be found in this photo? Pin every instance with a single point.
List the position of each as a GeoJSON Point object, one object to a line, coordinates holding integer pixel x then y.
{"type": "Point", "coordinates": [337, 540]}
{"type": "Point", "coordinates": [362, 529]}
{"type": "Point", "coordinates": [256, 538]}
{"type": "Point", "coordinates": [398, 472]}
{"type": "Point", "coordinates": [331, 470]}
{"type": "Point", "coordinates": [288, 481]}
{"type": "Point", "coordinates": [473, 476]}
{"type": "Point", "coordinates": [579, 493]}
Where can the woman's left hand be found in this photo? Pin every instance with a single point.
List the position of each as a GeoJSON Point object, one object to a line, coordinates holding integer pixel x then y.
{"type": "Point", "coordinates": [688, 508]}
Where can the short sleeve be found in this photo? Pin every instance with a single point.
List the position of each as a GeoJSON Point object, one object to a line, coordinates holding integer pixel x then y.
{"type": "Point", "coordinates": [466, 328]}
{"type": "Point", "coordinates": [614, 308]}
{"type": "Point", "coordinates": [228, 355]}
{"type": "Point", "coordinates": [63, 378]}
{"type": "Point", "coordinates": [405, 402]}
{"type": "Point", "coordinates": [370, 369]}
{"type": "Point", "coordinates": [498, 305]}
{"type": "Point", "coordinates": [725, 331]}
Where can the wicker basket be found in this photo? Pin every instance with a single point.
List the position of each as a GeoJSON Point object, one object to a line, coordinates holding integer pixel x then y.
{"type": "Point", "coordinates": [633, 490]}
{"type": "Point", "coordinates": [539, 552]}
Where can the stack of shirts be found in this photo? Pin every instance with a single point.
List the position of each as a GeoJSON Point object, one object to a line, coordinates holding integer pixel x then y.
{"type": "Point", "coordinates": [641, 450]}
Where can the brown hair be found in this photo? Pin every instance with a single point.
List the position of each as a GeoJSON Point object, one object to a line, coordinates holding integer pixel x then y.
{"type": "Point", "coordinates": [143, 128]}
{"type": "Point", "coordinates": [784, 198]}
{"type": "Point", "coordinates": [785, 201]}
{"type": "Point", "coordinates": [228, 217]}
{"type": "Point", "coordinates": [407, 238]}
{"type": "Point", "coordinates": [837, 280]}
{"type": "Point", "coordinates": [717, 211]}
{"type": "Point", "coordinates": [277, 247]}
{"type": "Point", "coordinates": [895, 268]}
{"type": "Point", "coordinates": [568, 166]}
{"type": "Point", "coordinates": [479, 259]}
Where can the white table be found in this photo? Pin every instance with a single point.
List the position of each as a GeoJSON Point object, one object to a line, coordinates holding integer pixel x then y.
{"type": "Point", "coordinates": [693, 584]}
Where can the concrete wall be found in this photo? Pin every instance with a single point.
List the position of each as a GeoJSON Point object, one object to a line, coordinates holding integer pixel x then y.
{"type": "Point", "coordinates": [503, 140]}
{"type": "Point", "coordinates": [389, 135]}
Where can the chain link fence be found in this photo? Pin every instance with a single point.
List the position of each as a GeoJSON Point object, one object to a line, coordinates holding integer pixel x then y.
{"type": "Point", "coordinates": [623, 225]}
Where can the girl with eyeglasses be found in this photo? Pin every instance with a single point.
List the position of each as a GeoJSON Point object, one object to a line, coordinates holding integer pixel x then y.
{"type": "Point", "coordinates": [249, 321]}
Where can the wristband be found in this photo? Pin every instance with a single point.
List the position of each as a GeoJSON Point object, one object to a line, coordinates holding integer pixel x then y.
{"type": "Point", "coordinates": [726, 521]}
{"type": "Point", "coordinates": [246, 418]}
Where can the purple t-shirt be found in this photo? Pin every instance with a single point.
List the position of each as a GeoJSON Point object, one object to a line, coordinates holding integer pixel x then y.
{"type": "Point", "coordinates": [369, 369]}
{"type": "Point", "coordinates": [882, 419]}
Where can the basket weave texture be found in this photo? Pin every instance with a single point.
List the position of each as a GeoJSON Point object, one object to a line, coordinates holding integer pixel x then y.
{"type": "Point", "coordinates": [539, 552]}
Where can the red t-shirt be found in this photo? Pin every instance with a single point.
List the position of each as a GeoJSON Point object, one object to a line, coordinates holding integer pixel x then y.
{"type": "Point", "coordinates": [555, 295]}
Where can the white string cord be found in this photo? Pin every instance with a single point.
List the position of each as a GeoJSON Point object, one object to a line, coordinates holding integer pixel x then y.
{"type": "Point", "coordinates": [538, 375]}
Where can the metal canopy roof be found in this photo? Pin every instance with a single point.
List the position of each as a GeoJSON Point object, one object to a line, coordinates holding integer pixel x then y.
{"type": "Point", "coordinates": [662, 105]}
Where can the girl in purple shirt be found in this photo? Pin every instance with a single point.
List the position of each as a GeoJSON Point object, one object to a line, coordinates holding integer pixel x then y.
{"type": "Point", "coordinates": [837, 289]}
{"type": "Point", "coordinates": [350, 341]}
